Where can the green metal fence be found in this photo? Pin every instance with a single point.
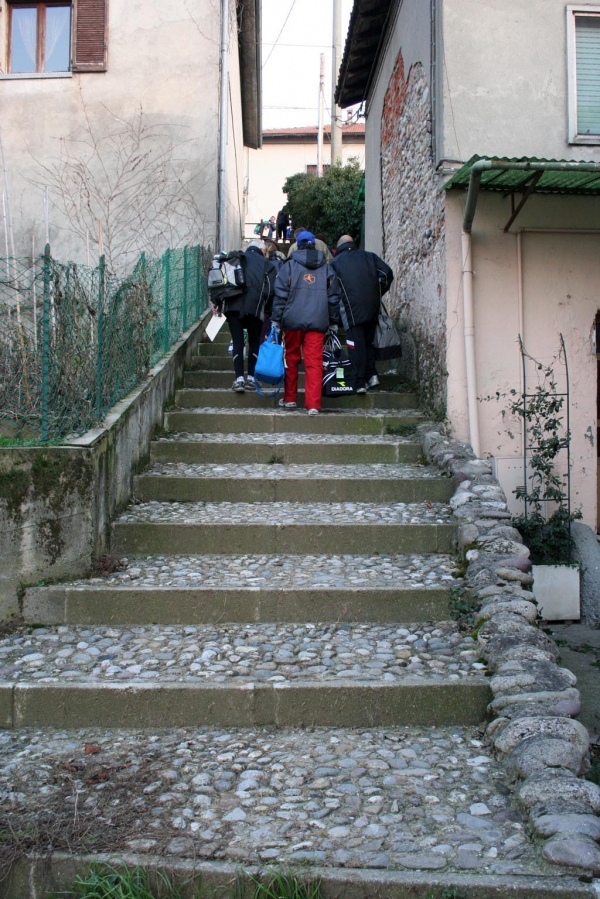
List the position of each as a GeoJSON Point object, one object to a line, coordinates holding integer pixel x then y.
{"type": "Point", "coordinates": [74, 340]}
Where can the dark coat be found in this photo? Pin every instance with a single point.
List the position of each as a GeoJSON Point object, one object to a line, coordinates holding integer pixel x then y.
{"type": "Point", "coordinates": [364, 278]}
{"type": "Point", "coordinates": [260, 274]}
{"type": "Point", "coordinates": [307, 293]}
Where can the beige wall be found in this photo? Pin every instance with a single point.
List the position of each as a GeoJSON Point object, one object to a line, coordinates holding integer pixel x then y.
{"type": "Point", "coordinates": [505, 80]}
{"type": "Point", "coordinates": [268, 169]}
{"type": "Point", "coordinates": [162, 58]}
{"type": "Point", "coordinates": [560, 294]}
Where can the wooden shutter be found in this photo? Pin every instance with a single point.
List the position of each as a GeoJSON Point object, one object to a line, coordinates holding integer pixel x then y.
{"type": "Point", "coordinates": [587, 37]}
{"type": "Point", "coordinates": [90, 28]}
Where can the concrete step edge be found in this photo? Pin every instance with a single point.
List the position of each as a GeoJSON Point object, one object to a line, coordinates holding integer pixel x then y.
{"type": "Point", "coordinates": [413, 701]}
{"type": "Point", "coordinates": [31, 877]}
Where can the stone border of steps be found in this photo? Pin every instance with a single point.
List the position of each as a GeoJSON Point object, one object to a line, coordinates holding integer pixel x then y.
{"type": "Point", "coordinates": [34, 877]}
{"type": "Point", "coordinates": [544, 750]}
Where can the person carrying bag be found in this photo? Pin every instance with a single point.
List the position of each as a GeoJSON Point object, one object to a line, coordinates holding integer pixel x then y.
{"type": "Point", "coordinates": [269, 369]}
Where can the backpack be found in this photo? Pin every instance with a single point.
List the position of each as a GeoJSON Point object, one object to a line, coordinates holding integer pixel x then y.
{"type": "Point", "coordinates": [226, 278]}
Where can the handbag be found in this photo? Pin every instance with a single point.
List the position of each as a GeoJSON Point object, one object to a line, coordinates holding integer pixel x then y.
{"type": "Point", "coordinates": [386, 343]}
{"type": "Point", "coordinates": [269, 366]}
{"type": "Point", "coordinates": [339, 377]}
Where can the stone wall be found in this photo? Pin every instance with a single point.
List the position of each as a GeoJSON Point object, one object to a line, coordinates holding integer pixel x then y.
{"type": "Point", "coordinates": [56, 503]}
{"type": "Point", "coordinates": [413, 228]}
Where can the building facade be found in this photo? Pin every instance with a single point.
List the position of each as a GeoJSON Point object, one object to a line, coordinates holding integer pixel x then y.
{"type": "Point", "coordinates": [450, 82]}
{"type": "Point", "coordinates": [111, 120]}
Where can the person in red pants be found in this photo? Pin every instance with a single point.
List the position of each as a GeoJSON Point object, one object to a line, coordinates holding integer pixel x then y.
{"type": "Point", "coordinates": [306, 305]}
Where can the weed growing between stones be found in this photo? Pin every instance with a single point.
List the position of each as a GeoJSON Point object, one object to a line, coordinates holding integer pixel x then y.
{"type": "Point", "coordinates": [594, 772]}
{"type": "Point", "coordinates": [401, 430]}
{"type": "Point", "coordinates": [463, 608]}
{"type": "Point", "coordinates": [284, 885]}
{"type": "Point", "coordinates": [122, 883]}
{"type": "Point", "coordinates": [275, 460]}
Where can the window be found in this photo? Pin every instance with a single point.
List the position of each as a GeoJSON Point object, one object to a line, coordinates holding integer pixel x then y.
{"type": "Point", "coordinates": [40, 37]}
{"type": "Point", "coordinates": [57, 36]}
{"type": "Point", "coordinates": [312, 169]}
{"type": "Point", "coordinates": [583, 29]}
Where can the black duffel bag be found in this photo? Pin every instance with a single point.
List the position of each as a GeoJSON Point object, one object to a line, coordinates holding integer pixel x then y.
{"type": "Point", "coordinates": [339, 377]}
{"type": "Point", "coordinates": [386, 342]}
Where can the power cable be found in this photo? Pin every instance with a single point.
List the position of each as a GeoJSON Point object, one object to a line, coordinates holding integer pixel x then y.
{"type": "Point", "coordinates": [279, 35]}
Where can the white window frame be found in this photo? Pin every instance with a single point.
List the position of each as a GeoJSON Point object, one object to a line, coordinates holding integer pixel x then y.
{"type": "Point", "coordinates": [572, 12]}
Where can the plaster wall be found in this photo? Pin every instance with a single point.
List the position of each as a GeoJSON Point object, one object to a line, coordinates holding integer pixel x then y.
{"type": "Point", "coordinates": [163, 59]}
{"type": "Point", "coordinates": [269, 167]}
{"type": "Point", "coordinates": [410, 35]}
{"type": "Point", "coordinates": [559, 294]}
{"type": "Point", "coordinates": [234, 205]}
{"type": "Point", "coordinates": [505, 80]}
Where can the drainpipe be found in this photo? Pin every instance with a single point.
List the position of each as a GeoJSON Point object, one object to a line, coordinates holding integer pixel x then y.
{"type": "Point", "coordinates": [223, 120]}
{"type": "Point", "coordinates": [484, 165]}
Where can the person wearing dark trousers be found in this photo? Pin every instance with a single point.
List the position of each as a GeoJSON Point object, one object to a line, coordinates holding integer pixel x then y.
{"type": "Point", "coordinates": [364, 279]}
{"type": "Point", "coordinates": [246, 311]}
{"type": "Point", "coordinates": [282, 222]}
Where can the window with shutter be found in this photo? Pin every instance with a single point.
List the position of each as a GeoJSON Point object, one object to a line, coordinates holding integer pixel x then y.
{"type": "Point", "coordinates": [584, 74]}
{"type": "Point", "coordinates": [89, 42]}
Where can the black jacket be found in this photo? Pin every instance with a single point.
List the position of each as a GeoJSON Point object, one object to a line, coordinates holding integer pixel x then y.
{"type": "Point", "coordinates": [364, 278]}
{"type": "Point", "coordinates": [307, 293]}
{"type": "Point", "coordinates": [260, 274]}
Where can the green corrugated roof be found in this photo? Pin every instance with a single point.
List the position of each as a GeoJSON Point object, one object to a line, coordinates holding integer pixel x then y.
{"type": "Point", "coordinates": [507, 181]}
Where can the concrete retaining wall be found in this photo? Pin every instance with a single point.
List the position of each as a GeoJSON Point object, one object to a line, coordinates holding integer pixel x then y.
{"type": "Point", "coordinates": [56, 502]}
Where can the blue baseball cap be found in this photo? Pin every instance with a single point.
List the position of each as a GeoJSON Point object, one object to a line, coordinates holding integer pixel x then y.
{"type": "Point", "coordinates": [305, 237]}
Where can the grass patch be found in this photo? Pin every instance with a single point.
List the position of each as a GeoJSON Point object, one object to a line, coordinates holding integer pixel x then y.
{"type": "Point", "coordinates": [285, 885]}
{"type": "Point", "coordinates": [594, 772]}
{"type": "Point", "coordinates": [463, 608]}
{"type": "Point", "coordinates": [122, 883]}
{"type": "Point", "coordinates": [275, 460]}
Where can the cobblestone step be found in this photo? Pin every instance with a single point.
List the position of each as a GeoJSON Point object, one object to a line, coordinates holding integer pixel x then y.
{"type": "Point", "coordinates": [181, 482]}
{"type": "Point", "coordinates": [190, 398]}
{"type": "Point", "coordinates": [284, 449]}
{"type": "Point", "coordinates": [252, 588]}
{"type": "Point", "coordinates": [279, 527]}
{"type": "Point", "coordinates": [351, 802]}
{"type": "Point", "coordinates": [208, 420]}
{"type": "Point", "coordinates": [224, 380]}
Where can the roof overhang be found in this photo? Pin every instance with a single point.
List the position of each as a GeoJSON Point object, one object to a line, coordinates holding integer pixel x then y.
{"type": "Point", "coordinates": [283, 137]}
{"type": "Point", "coordinates": [366, 33]}
{"type": "Point", "coordinates": [249, 44]}
{"type": "Point", "coordinates": [526, 175]}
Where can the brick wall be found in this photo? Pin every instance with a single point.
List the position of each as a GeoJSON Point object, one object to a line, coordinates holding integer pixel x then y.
{"type": "Point", "coordinates": [413, 228]}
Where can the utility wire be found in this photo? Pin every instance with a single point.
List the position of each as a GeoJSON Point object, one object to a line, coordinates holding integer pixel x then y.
{"type": "Point", "coordinates": [279, 35]}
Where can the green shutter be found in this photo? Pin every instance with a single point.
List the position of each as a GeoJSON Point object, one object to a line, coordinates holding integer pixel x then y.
{"type": "Point", "coordinates": [587, 37]}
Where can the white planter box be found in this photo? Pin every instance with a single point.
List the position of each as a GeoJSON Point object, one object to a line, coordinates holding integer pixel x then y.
{"type": "Point", "coordinates": [556, 589]}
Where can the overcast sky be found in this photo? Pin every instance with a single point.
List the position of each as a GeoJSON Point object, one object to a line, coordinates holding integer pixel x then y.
{"type": "Point", "coordinates": [291, 59]}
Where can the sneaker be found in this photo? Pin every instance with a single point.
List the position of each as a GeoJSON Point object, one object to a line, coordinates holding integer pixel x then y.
{"type": "Point", "coordinates": [373, 381]}
{"type": "Point", "coordinates": [285, 405]}
{"type": "Point", "coordinates": [361, 389]}
{"type": "Point", "coordinates": [238, 385]}
{"type": "Point", "coordinates": [312, 411]}
{"type": "Point", "coordinates": [250, 385]}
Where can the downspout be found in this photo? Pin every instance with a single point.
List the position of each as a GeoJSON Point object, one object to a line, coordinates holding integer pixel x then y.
{"type": "Point", "coordinates": [484, 165]}
{"type": "Point", "coordinates": [223, 121]}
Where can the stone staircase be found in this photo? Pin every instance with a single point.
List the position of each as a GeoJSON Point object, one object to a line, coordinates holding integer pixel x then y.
{"type": "Point", "coordinates": [275, 660]}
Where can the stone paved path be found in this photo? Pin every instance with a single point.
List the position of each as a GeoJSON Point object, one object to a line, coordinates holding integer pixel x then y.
{"type": "Point", "coordinates": [406, 793]}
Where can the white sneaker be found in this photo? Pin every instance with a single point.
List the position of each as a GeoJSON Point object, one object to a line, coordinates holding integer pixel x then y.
{"type": "Point", "coordinates": [250, 385]}
{"type": "Point", "coordinates": [361, 389]}
{"type": "Point", "coordinates": [285, 405]}
{"type": "Point", "coordinates": [238, 386]}
{"type": "Point", "coordinates": [373, 381]}
{"type": "Point", "coordinates": [312, 411]}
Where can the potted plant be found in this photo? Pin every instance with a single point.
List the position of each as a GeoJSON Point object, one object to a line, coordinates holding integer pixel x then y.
{"type": "Point", "coordinates": [545, 522]}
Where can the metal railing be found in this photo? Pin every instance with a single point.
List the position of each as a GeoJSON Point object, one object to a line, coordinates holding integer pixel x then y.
{"type": "Point", "coordinates": [74, 340]}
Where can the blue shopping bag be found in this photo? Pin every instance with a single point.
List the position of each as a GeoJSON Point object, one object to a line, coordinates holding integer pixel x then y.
{"type": "Point", "coordinates": [269, 367]}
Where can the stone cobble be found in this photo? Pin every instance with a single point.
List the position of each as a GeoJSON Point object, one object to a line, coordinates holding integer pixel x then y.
{"type": "Point", "coordinates": [275, 653]}
{"type": "Point", "coordinates": [285, 438]}
{"type": "Point", "coordinates": [411, 798]}
{"type": "Point", "coordinates": [288, 513]}
{"type": "Point", "coordinates": [301, 413]}
{"type": "Point", "coordinates": [257, 572]}
{"type": "Point", "coordinates": [278, 472]}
